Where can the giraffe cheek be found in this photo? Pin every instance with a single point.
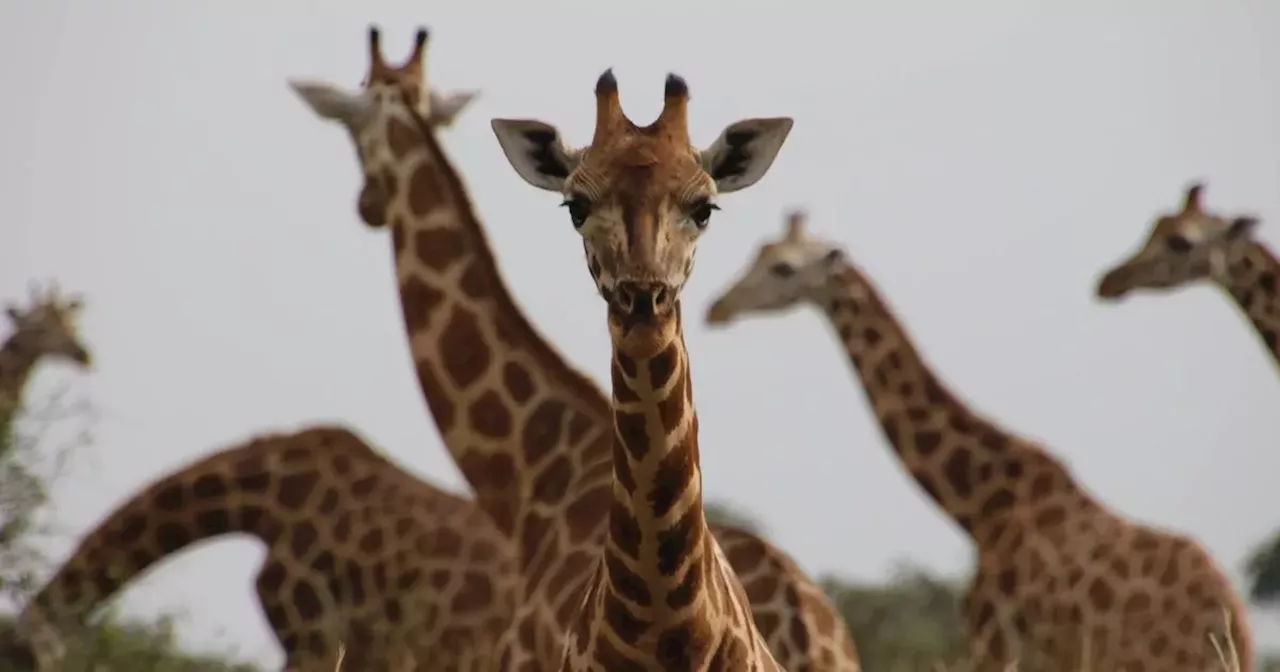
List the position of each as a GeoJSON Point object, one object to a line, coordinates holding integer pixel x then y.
{"type": "Point", "coordinates": [372, 205]}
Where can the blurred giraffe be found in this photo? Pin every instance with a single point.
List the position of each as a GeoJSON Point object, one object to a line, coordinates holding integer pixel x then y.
{"type": "Point", "coordinates": [1060, 576]}
{"type": "Point", "coordinates": [45, 329]}
{"type": "Point", "coordinates": [360, 555]}
{"type": "Point", "coordinates": [1193, 245]}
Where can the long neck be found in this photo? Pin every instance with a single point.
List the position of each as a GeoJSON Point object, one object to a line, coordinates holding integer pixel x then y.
{"type": "Point", "coordinates": [506, 403]}
{"type": "Point", "coordinates": [1253, 280]}
{"type": "Point", "coordinates": [658, 545]}
{"type": "Point", "coordinates": [971, 468]}
{"type": "Point", "coordinates": [16, 364]}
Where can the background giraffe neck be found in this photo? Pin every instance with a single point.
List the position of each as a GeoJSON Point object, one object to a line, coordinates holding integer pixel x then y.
{"type": "Point", "coordinates": [1253, 280]}
{"type": "Point", "coordinates": [236, 490]}
{"type": "Point", "coordinates": [506, 404]}
{"type": "Point", "coordinates": [16, 365]}
{"type": "Point", "coordinates": [656, 556]}
{"type": "Point", "coordinates": [973, 469]}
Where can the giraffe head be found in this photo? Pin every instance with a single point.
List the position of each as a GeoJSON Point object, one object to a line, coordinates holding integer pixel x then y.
{"type": "Point", "coordinates": [1188, 245]}
{"type": "Point", "coordinates": [48, 327]}
{"type": "Point", "coordinates": [641, 196]}
{"type": "Point", "coordinates": [376, 116]}
{"type": "Point", "coordinates": [795, 268]}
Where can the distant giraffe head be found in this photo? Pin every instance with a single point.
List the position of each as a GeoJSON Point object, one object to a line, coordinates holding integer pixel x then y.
{"type": "Point", "coordinates": [793, 269]}
{"type": "Point", "coordinates": [641, 196]}
{"type": "Point", "coordinates": [1183, 247]}
{"type": "Point", "coordinates": [48, 327]}
{"type": "Point", "coordinates": [374, 117]}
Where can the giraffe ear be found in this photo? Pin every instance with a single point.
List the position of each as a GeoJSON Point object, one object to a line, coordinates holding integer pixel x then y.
{"type": "Point", "coordinates": [744, 152]}
{"type": "Point", "coordinates": [536, 151]}
{"type": "Point", "coordinates": [351, 109]}
{"type": "Point", "coordinates": [445, 109]}
{"type": "Point", "coordinates": [1242, 228]}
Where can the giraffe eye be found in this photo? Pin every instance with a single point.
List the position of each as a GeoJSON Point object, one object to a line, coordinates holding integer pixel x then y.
{"type": "Point", "coordinates": [1177, 243]}
{"type": "Point", "coordinates": [579, 210]}
{"type": "Point", "coordinates": [701, 211]}
{"type": "Point", "coordinates": [782, 269]}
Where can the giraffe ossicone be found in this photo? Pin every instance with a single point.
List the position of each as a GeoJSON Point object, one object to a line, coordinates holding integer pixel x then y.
{"type": "Point", "coordinates": [1056, 568]}
{"type": "Point", "coordinates": [1194, 245]}
{"type": "Point", "coordinates": [663, 595]}
{"type": "Point", "coordinates": [530, 433]}
{"type": "Point", "coordinates": [1185, 246]}
{"type": "Point", "coordinates": [364, 112]}
{"type": "Point", "coordinates": [361, 556]}
{"type": "Point", "coordinates": [46, 328]}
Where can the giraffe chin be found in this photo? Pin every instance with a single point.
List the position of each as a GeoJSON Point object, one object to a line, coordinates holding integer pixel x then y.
{"type": "Point", "coordinates": [372, 206]}
{"type": "Point", "coordinates": [642, 337]}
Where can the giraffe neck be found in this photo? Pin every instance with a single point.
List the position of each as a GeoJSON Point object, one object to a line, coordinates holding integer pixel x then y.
{"type": "Point", "coordinates": [1253, 280]}
{"type": "Point", "coordinates": [658, 545]}
{"type": "Point", "coordinates": [506, 404]}
{"type": "Point", "coordinates": [16, 364]}
{"type": "Point", "coordinates": [974, 470]}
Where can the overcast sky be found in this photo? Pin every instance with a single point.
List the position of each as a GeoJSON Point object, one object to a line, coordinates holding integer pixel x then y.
{"type": "Point", "coordinates": [983, 168]}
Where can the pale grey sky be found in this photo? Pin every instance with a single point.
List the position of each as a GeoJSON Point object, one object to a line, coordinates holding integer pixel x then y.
{"type": "Point", "coordinates": [982, 166]}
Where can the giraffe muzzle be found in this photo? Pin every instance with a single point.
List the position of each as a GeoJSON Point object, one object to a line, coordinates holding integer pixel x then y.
{"type": "Point", "coordinates": [1114, 285]}
{"type": "Point", "coordinates": [642, 299]}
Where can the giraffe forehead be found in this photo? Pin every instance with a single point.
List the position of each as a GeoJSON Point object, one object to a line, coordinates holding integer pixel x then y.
{"type": "Point", "coordinates": [638, 167]}
{"type": "Point", "coordinates": [1195, 228]}
{"type": "Point", "coordinates": [49, 316]}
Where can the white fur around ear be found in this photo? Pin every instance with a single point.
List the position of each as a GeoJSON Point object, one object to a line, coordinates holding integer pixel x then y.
{"type": "Point", "coordinates": [352, 109]}
{"type": "Point", "coordinates": [445, 108]}
{"type": "Point", "coordinates": [536, 152]}
{"type": "Point", "coordinates": [744, 152]}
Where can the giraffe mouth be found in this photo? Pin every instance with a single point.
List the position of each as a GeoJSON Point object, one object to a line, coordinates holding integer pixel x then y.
{"type": "Point", "coordinates": [719, 314]}
{"type": "Point", "coordinates": [1114, 285]}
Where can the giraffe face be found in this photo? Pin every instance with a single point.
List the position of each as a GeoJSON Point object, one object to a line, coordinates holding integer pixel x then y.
{"type": "Point", "coordinates": [388, 99]}
{"type": "Point", "coordinates": [641, 197]}
{"type": "Point", "coordinates": [49, 328]}
{"type": "Point", "coordinates": [785, 272]}
{"type": "Point", "coordinates": [1182, 248]}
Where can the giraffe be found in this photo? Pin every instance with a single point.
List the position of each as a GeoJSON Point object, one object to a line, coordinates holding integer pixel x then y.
{"type": "Point", "coordinates": [1059, 575]}
{"type": "Point", "coordinates": [48, 327]}
{"type": "Point", "coordinates": [530, 433]}
{"type": "Point", "coordinates": [360, 554]}
{"type": "Point", "coordinates": [662, 595]}
{"type": "Point", "coordinates": [1193, 244]}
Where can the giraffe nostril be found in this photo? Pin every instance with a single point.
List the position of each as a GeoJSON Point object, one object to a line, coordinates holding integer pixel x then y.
{"type": "Point", "coordinates": [642, 299]}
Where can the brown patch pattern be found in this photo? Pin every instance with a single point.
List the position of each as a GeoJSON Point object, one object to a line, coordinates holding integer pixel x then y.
{"type": "Point", "coordinates": [1051, 558]}
{"type": "Point", "coordinates": [343, 569]}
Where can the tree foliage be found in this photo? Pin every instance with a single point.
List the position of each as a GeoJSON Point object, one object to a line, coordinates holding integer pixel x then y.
{"type": "Point", "coordinates": [911, 622]}
{"type": "Point", "coordinates": [1263, 571]}
{"type": "Point", "coordinates": [111, 644]}
{"type": "Point", "coordinates": [723, 513]}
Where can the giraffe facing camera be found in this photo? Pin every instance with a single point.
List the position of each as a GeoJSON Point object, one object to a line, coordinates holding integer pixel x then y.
{"type": "Point", "coordinates": [48, 326]}
{"type": "Point", "coordinates": [641, 196]}
{"type": "Point", "coordinates": [371, 116]}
